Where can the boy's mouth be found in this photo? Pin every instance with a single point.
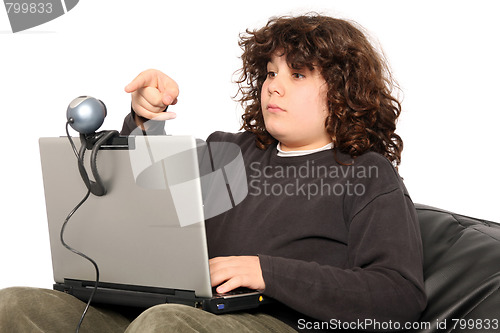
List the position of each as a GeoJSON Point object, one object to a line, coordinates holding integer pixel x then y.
{"type": "Point", "coordinates": [274, 108]}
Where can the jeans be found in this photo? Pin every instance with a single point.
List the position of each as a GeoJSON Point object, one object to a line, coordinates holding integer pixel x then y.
{"type": "Point", "coordinates": [24, 309]}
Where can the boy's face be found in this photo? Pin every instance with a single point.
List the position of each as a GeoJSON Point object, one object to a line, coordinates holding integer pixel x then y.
{"type": "Point", "coordinates": [294, 105]}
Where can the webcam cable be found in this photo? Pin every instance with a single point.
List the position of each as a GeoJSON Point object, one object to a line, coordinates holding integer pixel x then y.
{"type": "Point", "coordinates": [79, 157]}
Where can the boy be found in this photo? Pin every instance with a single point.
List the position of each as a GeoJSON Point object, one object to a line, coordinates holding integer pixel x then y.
{"type": "Point", "coordinates": [327, 229]}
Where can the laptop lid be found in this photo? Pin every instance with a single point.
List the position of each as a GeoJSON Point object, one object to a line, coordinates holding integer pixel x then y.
{"type": "Point", "coordinates": [147, 231]}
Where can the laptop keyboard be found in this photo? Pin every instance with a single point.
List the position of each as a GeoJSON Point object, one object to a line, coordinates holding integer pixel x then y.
{"type": "Point", "coordinates": [235, 292]}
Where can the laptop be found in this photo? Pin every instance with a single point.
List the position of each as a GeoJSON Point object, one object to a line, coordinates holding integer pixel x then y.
{"type": "Point", "coordinates": [147, 233]}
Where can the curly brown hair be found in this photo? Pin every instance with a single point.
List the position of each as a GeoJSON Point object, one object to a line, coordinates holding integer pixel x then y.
{"type": "Point", "coordinates": [362, 111]}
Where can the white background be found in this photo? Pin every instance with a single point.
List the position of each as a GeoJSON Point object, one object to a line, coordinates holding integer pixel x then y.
{"type": "Point", "coordinates": [444, 54]}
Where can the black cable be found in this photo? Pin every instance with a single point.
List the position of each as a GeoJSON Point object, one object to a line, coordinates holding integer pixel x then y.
{"type": "Point", "coordinates": [79, 157]}
{"type": "Point", "coordinates": [93, 158]}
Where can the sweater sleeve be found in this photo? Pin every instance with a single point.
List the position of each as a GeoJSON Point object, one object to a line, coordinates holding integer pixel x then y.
{"type": "Point", "coordinates": [382, 280]}
{"type": "Point", "coordinates": [153, 127]}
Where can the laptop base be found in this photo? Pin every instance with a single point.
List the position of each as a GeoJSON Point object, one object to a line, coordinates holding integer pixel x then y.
{"type": "Point", "coordinates": [145, 297]}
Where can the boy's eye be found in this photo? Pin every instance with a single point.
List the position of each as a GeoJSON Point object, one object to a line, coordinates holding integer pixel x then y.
{"type": "Point", "coordinates": [298, 75]}
{"type": "Point", "coordinates": [271, 74]}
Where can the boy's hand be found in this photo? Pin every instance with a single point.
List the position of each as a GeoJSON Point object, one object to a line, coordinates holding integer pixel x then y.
{"type": "Point", "coordinates": [234, 272]}
{"type": "Point", "coordinates": [152, 91]}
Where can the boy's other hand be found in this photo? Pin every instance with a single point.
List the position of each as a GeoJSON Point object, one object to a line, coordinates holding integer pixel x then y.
{"type": "Point", "coordinates": [229, 273]}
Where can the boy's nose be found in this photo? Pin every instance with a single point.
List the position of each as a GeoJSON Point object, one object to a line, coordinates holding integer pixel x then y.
{"type": "Point", "coordinates": [276, 86]}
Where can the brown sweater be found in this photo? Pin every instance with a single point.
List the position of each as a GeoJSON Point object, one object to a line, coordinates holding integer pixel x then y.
{"type": "Point", "coordinates": [337, 242]}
